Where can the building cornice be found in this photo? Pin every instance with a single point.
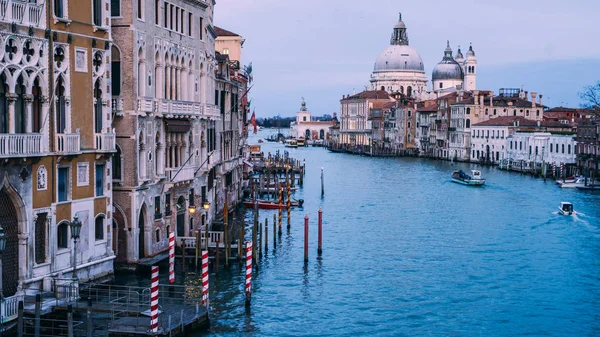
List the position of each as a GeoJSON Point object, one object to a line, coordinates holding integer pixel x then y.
{"type": "Point", "coordinates": [200, 3]}
{"type": "Point", "coordinates": [211, 30]}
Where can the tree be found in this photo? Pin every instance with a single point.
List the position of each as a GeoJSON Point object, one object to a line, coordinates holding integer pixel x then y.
{"type": "Point", "coordinates": [591, 97]}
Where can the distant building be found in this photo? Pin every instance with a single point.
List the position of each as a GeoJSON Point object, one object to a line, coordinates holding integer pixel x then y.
{"type": "Point", "coordinates": [588, 148]}
{"type": "Point", "coordinates": [230, 44]}
{"type": "Point", "coordinates": [307, 128]}
{"type": "Point", "coordinates": [355, 126]}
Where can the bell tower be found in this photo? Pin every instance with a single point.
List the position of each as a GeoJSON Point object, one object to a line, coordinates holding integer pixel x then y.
{"type": "Point", "coordinates": [470, 70]}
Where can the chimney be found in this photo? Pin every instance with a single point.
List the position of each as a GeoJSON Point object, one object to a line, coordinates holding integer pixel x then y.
{"type": "Point", "coordinates": [476, 96]}
{"type": "Point", "coordinates": [533, 96]}
{"type": "Point", "coordinates": [481, 99]}
{"type": "Point", "coordinates": [541, 99]}
{"type": "Point", "coordinates": [527, 95]}
{"type": "Point", "coordinates": [491, 99]}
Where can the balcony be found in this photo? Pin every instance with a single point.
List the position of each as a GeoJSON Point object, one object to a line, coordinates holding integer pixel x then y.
{"type": "Point", "coordinates": [68, 143]}
{"type": "Point", "coordinates": [185, 173]}
{"type": "Point", "coordinates": [146, 105]}
{"type": "Point", "coordinates": [181, 109]}
{"type": "Point", "coordinates": [23, 13]}
{"type": "Point", "coordinates": [211, 110]}
{"type": "Point", "coordinates": [451, 128]}
{"type": "Point", "coordinates": [105, 142]}
{"type": "Point", "coordinates": [20, 145]}
{"type": "Point", "coordinates": [117, 105]}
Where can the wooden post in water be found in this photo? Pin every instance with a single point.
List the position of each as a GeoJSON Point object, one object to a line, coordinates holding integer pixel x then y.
{"type": "Point", "coordinates": [70, 320]}
{"type": "Point", "coordinates": [254, 227]}
{"type": "Point", "coordinates": [280, 208]}
{"type": "Point", "coordinates": [226, 227]}
{"type": "Point", "coordinates": [90, 325]}
{"type": "Point", "coordinates": [260, 237]}
{"type": "Point", "coordinates": [20, 320]}
{"type": "Point", "coordinates": [320, 242]}
{"type": "Point", "coordinates": [322, 183]}
{"type": "Point", "coordinates": [274, 232]}
{"type": "Point", "coordinates": [217, 258]}
{"type": "Point", "coordinates": [306, 238]}
{"type": "Point", "coordinates": [183, 255]}
{"type": "Point", "coordinates": [241, 242]}
{"type": "Point", "coordinates": [266, 235]}
{"type": "Point", "coordinates": [38, 312]}
{"type": "Point", "coordinates": [289, 203]}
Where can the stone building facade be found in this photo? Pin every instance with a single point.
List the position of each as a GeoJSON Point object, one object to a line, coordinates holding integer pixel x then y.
{"type": "Point", "coordinates": [56, 143]}
{"type": "Point", "coordinates": [168, 125]}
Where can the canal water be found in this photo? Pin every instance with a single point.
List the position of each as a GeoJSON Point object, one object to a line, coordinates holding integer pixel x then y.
{"type": "Point", "coordinates": [407, 252]}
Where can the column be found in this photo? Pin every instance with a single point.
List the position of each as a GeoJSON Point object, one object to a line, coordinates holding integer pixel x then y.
{"type": "Point", "coordinates": [11, 98]}
{"type": "Point", "coordinates": [28, 113]}
{"type": "Point", "coordinates": [168, 82]}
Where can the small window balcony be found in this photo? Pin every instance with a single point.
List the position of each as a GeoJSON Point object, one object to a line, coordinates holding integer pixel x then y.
{"type": "Point", "coordinates": [68, 143]}
{"type": "Point", "coordinates": [105, 142]}
{"type": "Point", "coordinates": [23, 12]}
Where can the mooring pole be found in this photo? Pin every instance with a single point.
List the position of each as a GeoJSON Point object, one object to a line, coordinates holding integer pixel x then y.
{"type": "Point", "coordinates": [90, 325]}
{"type": "Point", "coordinates": [306, 238]}
{"type": "Point", "coordinates": [322, 183]}
{"type": "Point", "coordinates": [70, 320]}
{"type": "Point", "coordinates": [320, 248]}
{"type": "Point", "coordinates": [274, 231]}
{"type": "Point", "coordinates": [20, 318]}
{"type": "Point", "coordinates": [248, 273]}
{"type": "Point", "coordinates": [266, 235]}
{"type": "Point", "coordinates": [38, 310]}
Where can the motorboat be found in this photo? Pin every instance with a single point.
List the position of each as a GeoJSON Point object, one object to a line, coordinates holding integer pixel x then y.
{"type": "Point", "coordinates": [589, 187]}
{"type": "Point", "coordinates": [474, 179]}
{"type": "Point", "coordinates": [300, 142]}
{"type": "Point", "coordinates": [570, 179]}
{"type": "Point", "coordinates": [272, 204]}
{"type": "Point", "coordinates": [579, 182]}
{"type": "Point", "coordinates": [291, 143]}
{"type": "Point", "coordinates": [566, 208]}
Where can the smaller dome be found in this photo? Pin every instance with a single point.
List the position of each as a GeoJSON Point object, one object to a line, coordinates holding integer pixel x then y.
{"type": "Point", "coordinates": [448, 68]}
{"type": "Point", "coordinates": [400, 23]}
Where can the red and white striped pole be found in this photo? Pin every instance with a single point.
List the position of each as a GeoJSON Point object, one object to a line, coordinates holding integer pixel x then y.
{"type": "Point", "coordinates": [154, 300]}
{"type": "Point", "coordinates": [248, 272]}
{"type": "Point", "coordinates": [172, 257]}
{"type": "Point", "coordinates": [205, 278]}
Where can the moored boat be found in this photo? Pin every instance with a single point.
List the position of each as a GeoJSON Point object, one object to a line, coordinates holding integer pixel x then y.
{"type": "Point", "coordinates": [272, 204]}
{"type": "Point", "coordinates": [579, 182]}
{"type": "Point", "coordinates": [474, 179]}
{"type": "Point", "coordinates": [566, 208]}
{"type": "Point", "coordinates": [291, 143]}
{"type": "Point", "coordinates": [300, 142]}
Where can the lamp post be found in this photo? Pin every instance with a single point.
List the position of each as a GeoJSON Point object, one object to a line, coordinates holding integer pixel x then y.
{"type": "Point", "coordinates": [75, 232]}
{"type": "Point", "coordinates": [2, 248]}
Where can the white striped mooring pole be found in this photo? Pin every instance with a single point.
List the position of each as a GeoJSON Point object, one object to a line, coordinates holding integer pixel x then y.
{"type": "Point", "coordinates": [248, 272]}
{"type": "Point", "coordinates": [172, 257]}
{"type": "Point", "coordinates": [154, 301]}
{"type": "Point", "coordinates": [205, 278]}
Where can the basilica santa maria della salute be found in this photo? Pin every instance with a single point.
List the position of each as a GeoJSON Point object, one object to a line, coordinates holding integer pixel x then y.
{"type": "Point", "coordinates": [399, 69]}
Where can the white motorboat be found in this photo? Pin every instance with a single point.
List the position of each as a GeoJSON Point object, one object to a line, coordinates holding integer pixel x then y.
{"type": "Point", "coordinates": [578, 182]}
{"type": "Point", "coordinates": [474, 179]}
{"type": "Point", "coordinates": [291, 143]}
{"type": "Point", "coordinates": [571, 179]}
{"type": "Point", "coordinates": [566, 208]}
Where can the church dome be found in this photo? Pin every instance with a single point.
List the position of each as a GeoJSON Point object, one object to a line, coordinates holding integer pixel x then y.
{"type": "Point", "coordinates": [448, 68]}
{"type": "Point", "coordinates": [399, 58]}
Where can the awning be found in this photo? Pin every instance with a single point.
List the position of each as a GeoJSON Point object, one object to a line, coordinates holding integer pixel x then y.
{"type": "Point", "coordinates": [178, 125]}
{"type": "Point", "coordinates": [249, 164]}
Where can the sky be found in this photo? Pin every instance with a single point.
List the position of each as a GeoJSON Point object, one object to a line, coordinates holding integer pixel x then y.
{"type": "Point", "coordinates": [323, 49]}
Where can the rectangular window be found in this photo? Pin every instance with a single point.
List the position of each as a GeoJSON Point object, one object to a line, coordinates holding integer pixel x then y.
{"type": "Point", "coordinates": [115, 8]}
{"type": "Point", "coordinates": [182, 21]}
{"type": "Point", "coordinates": [40, 237]}
{"type": "Point", "coordinates": [115, 68]}
{"type": "Point", "coordinates": [97, 12]}
{"type": "Point", "coordinates": [176, 19]}
{"type": "Point", "coordinates": [168, 204]}
{"type": "Point", "coordinates": [166, 15]}
{"type": "Point", "coordinates": [191, 197]}
{"type": "Point", "coordinates": [99, 180]}
{"type": "Point", "coordinates": [59, 8]}
{"type": "Point", "coordinates": [563, 148]}
{"type": "Point", "coordinates": [171, 7]}
{"type": "Point", "coordinates": [156, 12]}
{"type": "Point", "coordinates": [157, 214]}
{"type": "Point", "coordinates": [216, 97]}
{"type": "Point", "coordinates": [203, 191]}
{"type": "Point", "coordinates": [200, 35]}
{"type": "Point", "coordinates": [63, 184]}
{"type": "Point", "coordinates": [140, 9]}
{"type": "Point", "coordinates": [190, 18]}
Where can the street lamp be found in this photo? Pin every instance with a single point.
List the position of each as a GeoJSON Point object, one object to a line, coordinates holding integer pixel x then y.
{"type": "Point", "coordinates": [2, 248]}
{"type": "Point", "coordinates": [75, 232]}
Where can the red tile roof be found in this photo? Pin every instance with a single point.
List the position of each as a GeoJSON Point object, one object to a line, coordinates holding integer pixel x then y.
{"type": "Point", "coordinates": [523, 122]}
{"type": "Point", "coordinates": [371, 94]}
{"type": "Point", "coordinates": [223, 32]}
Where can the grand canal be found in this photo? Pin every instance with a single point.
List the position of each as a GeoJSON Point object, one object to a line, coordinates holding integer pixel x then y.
{"type": "Point", "coordinates": [407, 252]}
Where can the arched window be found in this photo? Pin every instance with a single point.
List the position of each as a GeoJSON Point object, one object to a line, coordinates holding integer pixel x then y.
{"type": "Point", "coordinates": [3, 105]}
{"type": "Point", "coordinates": [62, 235]}
{"type": "Point", "coordinates": [20, 109]}
{"type": "Point", "coordinates": [468, 123]}
{"type": "Point", "coordinates": [409, 91]}
{"type": "Point", "coordinates": [401, 89]}
{"type": "Point", "coordinates": [117, 165]}
{"type": "Point", "coordinates": [468, 111]}
{"type": "Point", "coordinates": [37, 106]}
{"type": "Point", "coordinates": [322, 134]}
{"type": "Point", "coordinates": [61, 106]}
{"type": "Point", "coordinates": [115, 68]}
{"type": "Point", "coordinates": [382, 87]}
{"type": "Point", "coordinates": [99, 228]}
{"type": "Point", "coordinates": [98, 107]}
{"type": "Point", "coordinates": [141, 74]}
